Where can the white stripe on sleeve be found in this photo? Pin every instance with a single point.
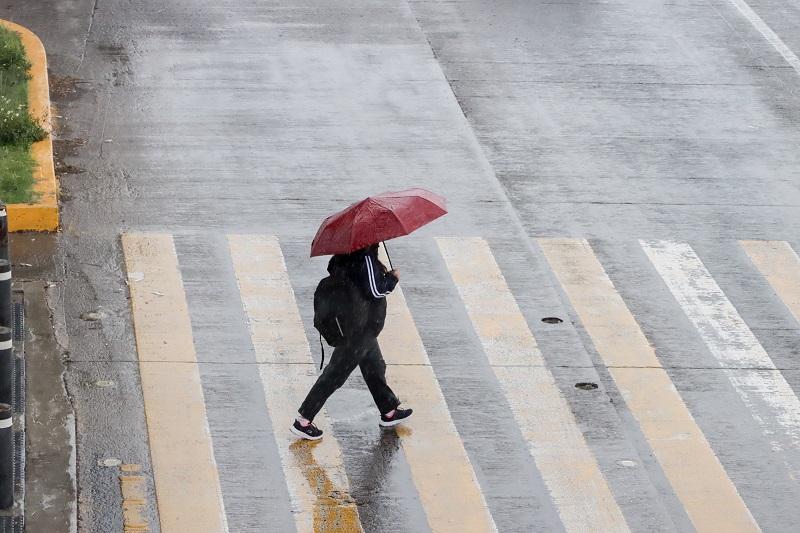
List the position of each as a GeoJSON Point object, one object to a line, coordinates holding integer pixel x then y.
{"type": "Point", "coordinates": [371, 275]}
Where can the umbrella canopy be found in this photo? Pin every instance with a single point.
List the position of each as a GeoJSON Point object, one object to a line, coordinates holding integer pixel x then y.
{"type": "Point", "coordinates": [375, 219]}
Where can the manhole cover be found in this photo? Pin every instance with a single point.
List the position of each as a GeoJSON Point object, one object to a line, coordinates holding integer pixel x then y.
{"type": "Point", "coordinates": [586, 385]}
{"type": "Point", "coordinates": [552, 320]}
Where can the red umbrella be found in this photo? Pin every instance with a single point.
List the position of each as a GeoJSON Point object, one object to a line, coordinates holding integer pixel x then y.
{"type": "Point", "coordinates": [376, 219]}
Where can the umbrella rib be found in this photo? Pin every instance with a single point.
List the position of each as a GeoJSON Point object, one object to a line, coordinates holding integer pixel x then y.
{"type": "Point", "coordinates": [402, 225]}
{"type": "Point", "coordinates": [356, 219]}
{"type": "Point", "coordinates": [398, 219]}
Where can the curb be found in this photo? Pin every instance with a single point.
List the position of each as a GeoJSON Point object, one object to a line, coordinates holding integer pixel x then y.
{"type": "Point", "coordinates": [43, 215]}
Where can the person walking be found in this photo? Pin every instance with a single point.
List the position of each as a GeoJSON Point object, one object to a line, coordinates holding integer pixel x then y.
{"type": "Point", "coordinates": [369, 282]}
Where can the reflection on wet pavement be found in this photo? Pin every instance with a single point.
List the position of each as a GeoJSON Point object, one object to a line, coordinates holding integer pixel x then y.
{"type": "Point", "coordinates": [333, 509]}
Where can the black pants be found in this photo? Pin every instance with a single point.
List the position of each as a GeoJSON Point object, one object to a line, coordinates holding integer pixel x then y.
{"type": "Point", "coordinates": [363, 353]}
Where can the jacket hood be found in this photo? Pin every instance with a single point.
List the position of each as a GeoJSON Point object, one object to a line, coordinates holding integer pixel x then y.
{"type": "Point", "coordinates": [341, 264]}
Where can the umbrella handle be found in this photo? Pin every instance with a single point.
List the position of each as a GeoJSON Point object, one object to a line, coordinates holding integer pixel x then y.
{"type": "Point", "coordinates": [387, 254]}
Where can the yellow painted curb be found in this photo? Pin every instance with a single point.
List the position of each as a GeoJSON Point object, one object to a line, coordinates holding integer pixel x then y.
{"type": "Point", "coordinates": [43, 215]}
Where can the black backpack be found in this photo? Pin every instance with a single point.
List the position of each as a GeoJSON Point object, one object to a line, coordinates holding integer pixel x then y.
{"type": "Point", "coordinates": [339, 311]}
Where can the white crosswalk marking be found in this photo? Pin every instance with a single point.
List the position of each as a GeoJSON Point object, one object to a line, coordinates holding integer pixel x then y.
{"type": "Point", "coordinates": [314, 472]}
{"type": "Point", "coordinates": [696, 475]}
{"type": "Point", "coordinates": [185, 471]}
{"type": "Point", "coordinates": [442, 472]}
{"type": "Point", "coordinates": [748, 366]}
{"type": "Point", "coordinates": [576, 484]}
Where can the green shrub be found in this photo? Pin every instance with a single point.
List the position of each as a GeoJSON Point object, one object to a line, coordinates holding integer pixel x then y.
{"type": "Point", "coordinates": [16, 125]}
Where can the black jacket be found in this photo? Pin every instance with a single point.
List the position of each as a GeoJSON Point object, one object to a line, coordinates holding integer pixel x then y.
{"type": "Point", "coordinates": [371, 282]}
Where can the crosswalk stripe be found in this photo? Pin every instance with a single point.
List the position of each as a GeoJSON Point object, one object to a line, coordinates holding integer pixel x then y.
{"type": "Point", "coordinates": [780, 265]}
{"type": "Point", "coordinates": [185, 473]}
{"type": "Point", "coordinates": [314, 472]}
{"type": "Point", "coordinates": [748, 366]}
{"type": "Point", "coordinates": [578, 488]}
{"type": "Point", "coordinates": [439, 464]}
{"type": "Point", "coordinates": [693, 470]}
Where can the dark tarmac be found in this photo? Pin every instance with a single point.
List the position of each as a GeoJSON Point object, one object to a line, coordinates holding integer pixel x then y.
{"type": "Point", "coordinates": [614, 122]}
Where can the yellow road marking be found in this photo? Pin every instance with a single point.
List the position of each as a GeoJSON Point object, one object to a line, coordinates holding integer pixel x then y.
{"type": "Point", "coordinates": [578, 488]}
{"type": "Point", "coordinates": [314, 471]}
{"type": "Point", "coordinates": [439, 464]}
{"type": "Point", "coordinates": [134, 500]}
{"type": "Point", "coordinates": [185, 473]}
{"type": "Point", "coordinates": [696, 475]}
{"type": "Point", "coordinates": [780, 265]}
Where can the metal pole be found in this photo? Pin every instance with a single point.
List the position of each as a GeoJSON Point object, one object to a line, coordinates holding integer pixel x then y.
{"type": "Point", "coordinates": [4, 253]}
{"type": "Point", "coordinates": [6, 457]}
{"type": "Point", "coordinates": [385, 249]}
{"type": "Point", "coordinates": [6, 370]}
{"type": "Point", "coordinates": [6, 319]}
{"type": "Point", "coordinates": [6, 366]}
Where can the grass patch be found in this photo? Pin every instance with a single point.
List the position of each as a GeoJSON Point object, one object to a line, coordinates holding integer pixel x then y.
{"type": "Point", "coordinates": [18, 130]}
{"type": "Point", "coordinates": [16, 174]}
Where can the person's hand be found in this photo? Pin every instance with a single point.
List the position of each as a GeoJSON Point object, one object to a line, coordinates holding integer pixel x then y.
{"type": "Point", "coordinates": [395, 273]}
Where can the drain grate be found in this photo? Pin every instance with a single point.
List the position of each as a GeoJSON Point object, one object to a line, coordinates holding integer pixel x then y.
{"type": "Point", "coordinates": [11, 524]}
{"type": "Point", "coordinates": [18, 314]}
{"type": "Point", "coordinates": [19, 464]}
{"type": "Point", "coordinates": [18, 399]}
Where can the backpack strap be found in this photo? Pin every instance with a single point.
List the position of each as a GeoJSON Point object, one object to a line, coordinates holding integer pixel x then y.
{"type": "Point", "coordinates": [322, 349]}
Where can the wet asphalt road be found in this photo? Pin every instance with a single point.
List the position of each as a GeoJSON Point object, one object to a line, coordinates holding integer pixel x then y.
{"type": "Point", "coordinates": [608, 121]}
